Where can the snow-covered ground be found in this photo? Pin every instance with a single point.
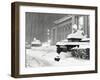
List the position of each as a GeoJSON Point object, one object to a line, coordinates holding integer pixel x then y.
{"type": "Point", "coordinates": [44, 56]}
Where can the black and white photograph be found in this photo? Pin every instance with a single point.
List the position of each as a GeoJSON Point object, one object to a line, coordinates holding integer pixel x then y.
{"type": "Point", "coordinates": [56, 39]}
{"type": "Point", "coordinates": [51, 39]}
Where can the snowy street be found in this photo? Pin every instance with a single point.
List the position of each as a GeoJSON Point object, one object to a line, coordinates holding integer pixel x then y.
{"type": "Point", "coordinates": [44, 56]}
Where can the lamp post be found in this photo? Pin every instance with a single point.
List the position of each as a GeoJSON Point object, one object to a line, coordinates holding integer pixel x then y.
{"type": "Point", "coordinates": [48, 34]}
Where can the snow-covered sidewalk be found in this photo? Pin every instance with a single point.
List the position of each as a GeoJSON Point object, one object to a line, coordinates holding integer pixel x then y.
{"type": "Point", "coordinates": [44, 56]}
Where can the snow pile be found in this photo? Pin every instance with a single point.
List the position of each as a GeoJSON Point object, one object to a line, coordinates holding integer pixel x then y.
{"type": "Point", "coordinates": [77, 34]}
{"type": "Point", "coordinates": [65, 55]}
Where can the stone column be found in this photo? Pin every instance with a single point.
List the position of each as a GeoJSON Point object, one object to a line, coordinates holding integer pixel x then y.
{"type": "Point", "coordinates": [86, 25]}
